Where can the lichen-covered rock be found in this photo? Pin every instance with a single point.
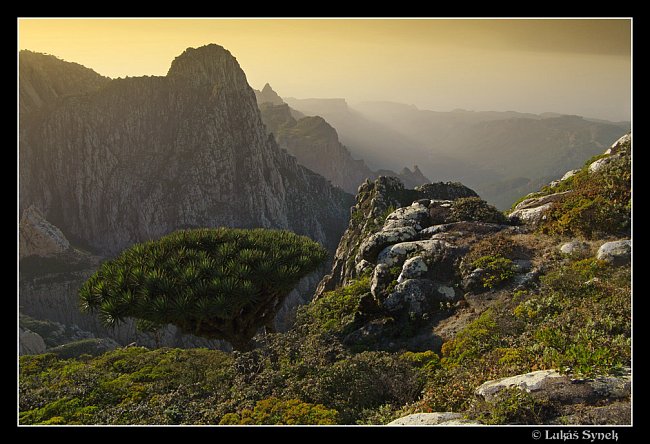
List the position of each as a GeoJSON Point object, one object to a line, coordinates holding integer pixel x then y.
{"type": "Point", "coordinates": [474, 280]}
{"type": "Point", "coordinates": [616, 252]}
{"type": "Point", "coordinates": [372, 331]}
{"type": "Point", "coordinates": [435, 418]}
{"type": "Point", "coordinates": [531, 216]}
{"type": "Point", "coordinates": [375, 243]}
{"type": "Point", "coordinates": [418, 297]}
{"type": "Point", "coordinates": [529, 382]}
{"type": "Point", "coordinates": [535, 202]}
{"type": "Point", "coordinates": [396, 254]}
{"type": "Point", "coordinates": [38, 237]}
{"type": "Point", "coordinates": [599, 164]}
{"type": "Point", "coordinates": [380, 279]}
{"type": "Point", "coordinates": [440, 211]}
{"type": "Point", "coordinates": [614, 387]}
{"type": "Point", "coordinates": [569, 174]}
{"type": "Point", "coordinates": [363, 267]}
{"type": "Point", "coordinates": [575, 247]}
{"type": "Point", "coordinates": [30, 343]}
{"type": "Point", "coordinates": [620, 144]}
{"type": "Point", "coordinates": [532, 211]}
{"type": "Point", "coordinates": [373, 200]}
{"type": "Point", "coordinates": [445, 191]}
{"type": "Point", "coordinates": [550, 385]}
{"type": "Point", "coordinates": [415, 215]}
{"type": "Point", "coordinates": [413, 268]}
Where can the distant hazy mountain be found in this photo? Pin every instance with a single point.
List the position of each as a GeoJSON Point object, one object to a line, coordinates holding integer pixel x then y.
{"type": "Point", "coordinates": [374, 142]}
{"type": "Point", "coordinates": [502, 155]}
{"type": "Point", "coordinates": [316, 145]}
{"type": "Point", "coordinates": [267, 95]}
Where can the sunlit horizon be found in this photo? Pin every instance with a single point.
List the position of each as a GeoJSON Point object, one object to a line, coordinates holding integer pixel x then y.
{"type": "Point", "coordinates": [578, 67]}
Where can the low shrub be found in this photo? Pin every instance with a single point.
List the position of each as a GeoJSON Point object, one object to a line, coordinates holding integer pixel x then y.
{"type": "Point", "coordinates": [496, 270]}
{"type": "Point", "coordinates": [475, 209]}
{"type": "Point", "coordinates": [274, 411]}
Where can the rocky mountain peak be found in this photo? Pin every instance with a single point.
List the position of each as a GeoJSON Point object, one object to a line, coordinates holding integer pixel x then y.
{"type": "Point", "coordinates": [161, 153]}
{"type": "Point", "coordinates": [209, 65]}
{"type": "Point", "coordinates": [268, 95]}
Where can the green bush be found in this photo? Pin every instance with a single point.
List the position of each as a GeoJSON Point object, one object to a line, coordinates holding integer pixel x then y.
{"type": "Point", "coordinates": [126, 386]}
{"type": "Point", "coordinates": [511, 406]}
{"type": "Point", "coordinates": [475, 209]}
{"type": "Point", "coordinates": [427, 362]}
{"type": "Point", "coordinates": [497, 269]}
{"type": "Point", "coordinates": [599, 205]}
{"type": "Point", "coordinates": [477, 338]}
{"type": "Point", "coordinates": [274, 411]}
{"type": "Point", "coordinates": [334, 310]}
{"type": "Point", "coordinates": [216, 283]}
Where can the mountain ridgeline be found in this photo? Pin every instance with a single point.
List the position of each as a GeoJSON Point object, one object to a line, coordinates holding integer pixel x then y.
{"type": "Point", "coordinates": [113, 162]}
{"type": "Point", "coordinates": [501, 155]}
{"type": "Point", "coordinates": [316, 145]}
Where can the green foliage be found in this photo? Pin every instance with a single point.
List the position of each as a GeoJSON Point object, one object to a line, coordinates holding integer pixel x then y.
{"type": "Point", "coordinates": [527, 196]}
{"type": "Point", "coordinates": [387, 212]}
{"type": "Point", "coordinates": [599, 204]}
{"type": "Point", "coordinates": [335, 309]}
{"type": "Point", "coordinates": [274, 411]}
{"type": "Point", "coordinates": [475, 209]}
{"type": "Point", "coordinates": [124, 386]}
{"type": "Point", "coordinates": [358, 218]}
{"type": "Point", "coordinates": [511, 406]}
{"type": "Point", "coordinates": [581, 322]}
{"type": "Point", "coordinates": [477, 338]}
{"type": "Point", "coordinates": [427, 362]}
{"type": "Point", "coordinates": [171, 386]}
{"type": "Point", "coordinates": [497, 269]}
{"type": "Point", "coordinates": [217, 283]}
{"type": "Point", "coordinates": [578, 321]}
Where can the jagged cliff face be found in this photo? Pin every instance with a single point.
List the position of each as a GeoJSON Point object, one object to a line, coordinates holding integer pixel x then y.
{"type": "Point", "coordinates": [316, 145]}
{"type": "Point", "coordinates": [135, 158]}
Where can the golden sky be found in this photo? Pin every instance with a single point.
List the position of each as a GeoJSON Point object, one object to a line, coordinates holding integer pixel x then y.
{"type": "Point", "coordinates": [569, 66]}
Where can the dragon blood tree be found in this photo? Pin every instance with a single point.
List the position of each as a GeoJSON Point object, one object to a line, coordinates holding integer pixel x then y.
{"type": "Point", "coordinates": [218, 283]}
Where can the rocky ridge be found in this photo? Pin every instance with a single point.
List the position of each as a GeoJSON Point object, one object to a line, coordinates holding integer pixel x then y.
{"type": "Point", "coordinates": [379, 218]}
{"type": "Point", "coordinates": [136, 158]}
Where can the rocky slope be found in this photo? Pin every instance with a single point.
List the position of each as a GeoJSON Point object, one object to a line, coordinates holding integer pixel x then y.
{"type": "Point", "coordinates": [139, 157]}
{"type": "Point", "coordinates": [315, 144]}
{"type": "Point", "coordinates": [376, 201]}
{"type": "Point", "coordinates": [512, 308]}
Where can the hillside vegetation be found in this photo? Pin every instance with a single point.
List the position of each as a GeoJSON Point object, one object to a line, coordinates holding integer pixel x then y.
{"type": "Point", "coordinates": [436, 301]}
